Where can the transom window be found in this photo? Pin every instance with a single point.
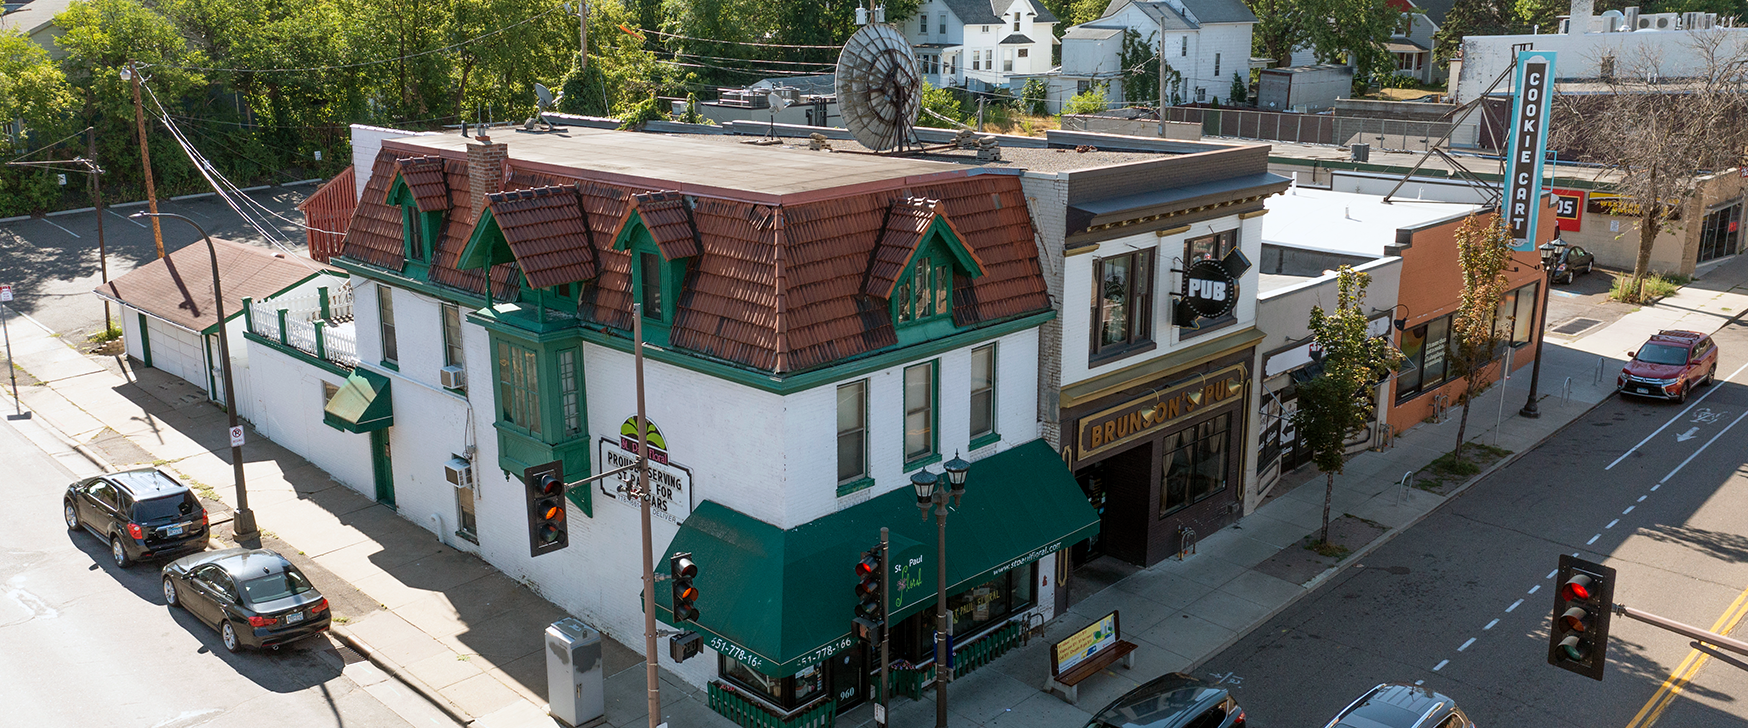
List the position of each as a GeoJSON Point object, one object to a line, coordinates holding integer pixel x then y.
{"type": "Point", "coordinates": [1123, 303]}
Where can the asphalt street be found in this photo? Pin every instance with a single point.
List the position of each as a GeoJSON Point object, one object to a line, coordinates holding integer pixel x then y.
{"type": "Point", "coordinates": [53, 262]}
{"type": "Point", "coordinates": [88, 644]}
{"type": "Point", "coordinates": [1461, 602]}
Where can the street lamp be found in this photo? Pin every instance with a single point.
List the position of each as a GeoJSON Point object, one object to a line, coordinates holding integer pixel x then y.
{"type": "Point", "coordinates": [1550, 251]}
{"type": "Point", "coordinates": [931, 491]}
{"type": "Point", "coordinates": [243, 520]}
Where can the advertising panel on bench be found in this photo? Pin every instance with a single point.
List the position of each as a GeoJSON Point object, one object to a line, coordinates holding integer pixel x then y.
{"type": "Point", "coordinates": [1083, 645]}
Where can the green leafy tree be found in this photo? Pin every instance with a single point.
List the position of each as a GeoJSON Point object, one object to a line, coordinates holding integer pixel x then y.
{"type": "Point", "coordinates": [1340, 401]}
{"type": "Point", "coordinates": [1240, 93]}
{"type": "Point", "coordinates": [1035, 97]}
{"type": "Point", "coordinates": [1139, 58]}
{"type": "Point", "coordinates": [1540, 15]}
{"type": "Point", "coordinates": [33, 91]}
{"type": "Point", "coordinates": [1355, 31]}
{"type": "Point", "coordinates": [1483, 253]}
{"type": "Point", "coordinates": [1084, 11]}
{"type": "Point", "coordinates": [1466, 18]}
{"type": "Point", "coordinates": [1091, 101]}
{"type": "Point", "coordinates": [943, 103]}
{"type": "Point", "coordinates": [1280, 28]}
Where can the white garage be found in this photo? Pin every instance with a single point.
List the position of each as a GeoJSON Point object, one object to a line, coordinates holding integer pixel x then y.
{"type": "Point", "coordinates": [169, 321]}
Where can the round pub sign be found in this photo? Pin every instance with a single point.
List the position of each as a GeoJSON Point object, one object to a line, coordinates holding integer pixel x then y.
{"type": "Point", "coordinates": [1210, 291]}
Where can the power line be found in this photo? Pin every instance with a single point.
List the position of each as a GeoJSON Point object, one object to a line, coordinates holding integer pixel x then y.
{"type": "Point", "coordinates": [50, 145]}
{"type": "Point", "coordinates": [738, 42]}
{"type": "Point", "coordinates": [362, 64]}
{"type": "Point", "coordinates": [754, 60]}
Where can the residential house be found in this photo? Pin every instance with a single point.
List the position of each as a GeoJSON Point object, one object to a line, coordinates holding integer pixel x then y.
{"type": "Point", "coordinates": [169, 320]}
{"type": "Point", "coordinates": [1204, 44]}
{"type": "Point", "coordinates": [981, 44]}
{"type": "Point", "coordinates": [35, 19]}
{"type": "Point", "coordinates": [1412, 42]}
{"type": "Point", "coordinates": [822, 328]}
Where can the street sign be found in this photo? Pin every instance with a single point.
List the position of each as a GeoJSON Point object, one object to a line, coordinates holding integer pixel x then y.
{"type": "Point", "coordinates": [237, 436]}
{"type": "Point", "coordinates": [5, 292]}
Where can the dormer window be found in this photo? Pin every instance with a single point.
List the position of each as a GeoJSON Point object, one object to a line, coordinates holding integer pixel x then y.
{"type": "Point", "coordinates": [915, 263]}
{"type": "Point", "coordinates": [421, 192]}
{"type": "Point", "coordinates": [659, 234]}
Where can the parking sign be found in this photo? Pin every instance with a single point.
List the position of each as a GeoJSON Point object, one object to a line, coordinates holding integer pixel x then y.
{"type": "Point", "coordinates": [5, 292]}
{"type": "Point", "coordinates": [237, 436]}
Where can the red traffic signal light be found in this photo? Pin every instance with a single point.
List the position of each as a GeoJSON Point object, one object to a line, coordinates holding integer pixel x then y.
{"type": "Point", "coordinates": [870, 603]}
{"type": "Point", "coordinates": [681, 571]}
{"type": "Point", "coordinates": [1578, 634]}
{"type": "Point", "coordinates": [547, 531]}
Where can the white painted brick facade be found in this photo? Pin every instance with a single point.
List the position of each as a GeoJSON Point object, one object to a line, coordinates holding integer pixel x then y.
{"type": "Point", "coordinates": [285, 395]}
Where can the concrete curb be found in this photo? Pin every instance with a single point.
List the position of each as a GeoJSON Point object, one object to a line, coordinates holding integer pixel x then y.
{"type": "Point", "coordinates": [430, 694]}
{"type": "Point", "coordinates": [76, 211]}
{"type": "Point", "coordinates": [194, 196]}
{"type": "Point", "coordinates": [1318, 581]}
{"type": "Point", "coordinates": [15, 218]}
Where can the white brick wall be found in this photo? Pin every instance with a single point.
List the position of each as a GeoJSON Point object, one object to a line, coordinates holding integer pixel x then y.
{"type": "Point", "coordinates": [286, 402]}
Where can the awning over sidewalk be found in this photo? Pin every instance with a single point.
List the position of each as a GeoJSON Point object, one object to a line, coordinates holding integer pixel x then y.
{"type": "Point", "coordinates": [362, 404]}
{"type": "Point", "coordinates": [781, 600]}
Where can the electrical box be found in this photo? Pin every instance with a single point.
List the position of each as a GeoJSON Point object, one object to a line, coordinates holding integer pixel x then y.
{"type": "Point", "coordinates": [575, 679]}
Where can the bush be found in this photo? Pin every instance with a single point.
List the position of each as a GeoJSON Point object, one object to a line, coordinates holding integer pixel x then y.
{"type": "Point", "coordinates": [1035, 97]}
{"type": "Point", "coordinates": [649, 109]}
{"type": "Point", "coordinates": [1090, 102]}
{"type": "Point", "coordinates": [1657, 285]}
{"type": "Point", "coordinates": [942, 102]}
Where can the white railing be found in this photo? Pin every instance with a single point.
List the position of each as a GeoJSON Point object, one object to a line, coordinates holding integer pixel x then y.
{"type": "Point", "coordinates": [264, 319]}
{"type": "Point", "coordinates": [341, 342]}
{"type": "Point", "coordinates": [300, 335]}
{"type": "Point", "coordinates": [336, 341]}
{"type": "Point", "coordinates": [340, 302]}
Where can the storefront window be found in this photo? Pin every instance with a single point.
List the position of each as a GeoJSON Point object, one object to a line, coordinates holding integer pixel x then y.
{"type": "Point", "coordinates": [986, 604]}
{"type": "Point", "coordinates": [1425, 352]}
{"type": "Point", "coordinates": [787, 693]}
{"type": "Point", "coordinates": [1413, 345]}
{"type": "Point", "coordinates": [1521, 325]}
{"type": "Point", "coordinates": [1196, 461]}
{"type": "Point", "coordinates": [1124, 306]}
{"type": "Point", "coordinates": [1437, 347]}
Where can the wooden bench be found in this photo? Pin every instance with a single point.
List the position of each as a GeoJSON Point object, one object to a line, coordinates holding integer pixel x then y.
{"type": "Point", "coordinates": [1103, 640]}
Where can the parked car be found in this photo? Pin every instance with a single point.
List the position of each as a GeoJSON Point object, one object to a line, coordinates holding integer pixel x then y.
{"type": "Point", "coordinates": [1573, 261]}
{"type": "Point", "coordinates": [1400, 705]}
{"type": "Point", "coordinates": [1670, 366]}
{"type": "Point", "coordinates": [1173, 700]}
{"type": "Point", "coordinates": [141, 513]}
{"type": "Point", "coordinates": [253, 597]}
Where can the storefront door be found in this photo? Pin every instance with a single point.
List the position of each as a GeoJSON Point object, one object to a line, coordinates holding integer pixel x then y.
{"type": "Point", "coordinates": [849, 677]}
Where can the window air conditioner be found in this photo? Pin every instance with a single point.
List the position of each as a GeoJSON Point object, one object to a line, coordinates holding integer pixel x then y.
{"type": "Point", "coordinates": [459, 472]}
{"type": "Point", "coordinates": [453, 376]}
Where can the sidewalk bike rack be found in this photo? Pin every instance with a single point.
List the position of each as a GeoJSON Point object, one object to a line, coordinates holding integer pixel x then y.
{"type": "Point", "coordinates": [1566, 391]}
{"type": "Point", "coordinates": [1406, 483]}
{"type": "Point", "coordinates": [1598, 380]}
{"type": "Point", "coordinates": [1186, 542]}
{"type": "Point", "coordinates": [1441, 406]}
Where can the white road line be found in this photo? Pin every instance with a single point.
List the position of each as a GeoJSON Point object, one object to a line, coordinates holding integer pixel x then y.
{"type": "Point", "coordinates": [1592, 539]}
{"type": "Point", "coordinates": [1628, 510]}
{"type": "Point", "coordinates": [1611, 524]}
{"type": "Point", "coordinates": [1696, 453]}
{"type": "Point", "coordinates": [1654, 487]}
{"type": "Point", "coordinates": [1514, 605]}
{"type": "Point", "coordinates": [1441, 665]}
{"type": "Point", "coordinates": [124, 217]}
{"type": "Point", "coordinates": [1490, 624]}
{"type": "Point", "coordinates": [1534, 589]}
{"type": "Point", "coordinates": [1551, 574]}
{"type": "Point", "coordinates": [1642, 498]}
{"type": "Point", "coordinates": [1466, 644]}
{"type": "Point", "coordinates": [1672, 420]}
{"type": "Point", "coordinates": [62, 229]}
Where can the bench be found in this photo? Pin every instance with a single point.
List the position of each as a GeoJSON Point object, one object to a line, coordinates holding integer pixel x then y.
{"type": "Point", "coordinates": [1085, 653]}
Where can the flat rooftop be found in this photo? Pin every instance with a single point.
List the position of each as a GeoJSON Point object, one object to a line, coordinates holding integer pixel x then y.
{"type": "Point", "coordinates": [699, 160]}
{"type": "Point", "coordinates": [1312, 155]}
{"type": "Point", "coordinates": [1347, 223]}
{"type": "Point", "coordinates": [1030, 159]}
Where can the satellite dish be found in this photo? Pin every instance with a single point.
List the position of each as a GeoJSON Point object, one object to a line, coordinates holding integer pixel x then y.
{"type": "Point", "coordinates": [543, 102]}
{"type": "Point", "coordinates": [778, 101]}
{"type": "Point", "coordinates": [879, 91]}
{"type": "Point", "coordinates": [544, 94]}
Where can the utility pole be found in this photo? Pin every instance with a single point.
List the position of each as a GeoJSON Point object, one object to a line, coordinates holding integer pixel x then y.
{"type": "Point", "coordinates": [132, 73]}
{"type": "Point", "coordinates": [649, 619]}
{"type": "Point", "coordinates": [885, 626]}
{"type": "Point", "coordinates": [582, 14]}
{"type": "Point", "coordinates": [980, 101]}
{"type": "Point", "coordinates": [97, 200]}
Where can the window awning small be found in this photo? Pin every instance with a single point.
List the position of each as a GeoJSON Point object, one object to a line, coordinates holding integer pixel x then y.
{"type": "Point", "coordinates": [362, 404]}
{"type": "Point", "coordinates": [780, 600]}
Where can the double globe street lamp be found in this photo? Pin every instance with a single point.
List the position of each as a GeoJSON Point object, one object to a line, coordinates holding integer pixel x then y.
{"type": "Point", "coordinates": [931, 491]}
{"type": "Point", "coordinates": [1551, 252]}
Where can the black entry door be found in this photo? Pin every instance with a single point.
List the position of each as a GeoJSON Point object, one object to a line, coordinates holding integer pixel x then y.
{"type": "Point", "coordinates": [849, 677]}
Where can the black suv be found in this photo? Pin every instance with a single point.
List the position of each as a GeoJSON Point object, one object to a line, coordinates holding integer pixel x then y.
{"type": "Point", "coordinates": [142, 513]}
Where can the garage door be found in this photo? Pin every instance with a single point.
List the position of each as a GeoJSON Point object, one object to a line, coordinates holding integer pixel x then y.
{"type": "Point", "coordinates": [176, 351]}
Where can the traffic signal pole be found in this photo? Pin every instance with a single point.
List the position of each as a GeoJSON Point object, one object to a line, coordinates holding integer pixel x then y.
{"type": "Point", "coordinates": [1686, 630]}
{"type": "Point", "coordinates": [885, 631]}
{"type": "Point", "coordinates": [649, 615]}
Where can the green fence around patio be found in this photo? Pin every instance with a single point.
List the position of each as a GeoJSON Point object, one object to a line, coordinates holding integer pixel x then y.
{"type": "Point", "coordinates": [748, 714]}
{"type": "Point", "coordinates": [909, 683]}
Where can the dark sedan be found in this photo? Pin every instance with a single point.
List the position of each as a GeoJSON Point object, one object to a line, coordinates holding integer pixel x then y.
{"type": "Point", "coordinates": [253, 597]}
{"type": "Point", "coordinates": [1573, 262]}
{"type": "Point", "coordinates": [1173, 700]}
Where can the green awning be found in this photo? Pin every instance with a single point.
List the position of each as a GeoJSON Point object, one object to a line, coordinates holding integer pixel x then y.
{"type": "Point", "coordinates": [781, 600]}
{"type": "Point", "coordinates": [362, 404]}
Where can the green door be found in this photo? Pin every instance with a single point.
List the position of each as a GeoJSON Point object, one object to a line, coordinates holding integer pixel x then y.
{"type": "Point", "coordinates": [381, 466]}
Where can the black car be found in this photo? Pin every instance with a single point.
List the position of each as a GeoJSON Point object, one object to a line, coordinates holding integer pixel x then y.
{"type": "Point", "coordinates": [1573, 261]}
{"type": "Point", "coordinates": [142, 513]}
{"type": "Point", "coordinates": [1173, 700]}
{"type": "Point", "coordinates": [1399, 705]}
{"type": "Point", "coordinates": [254, 597]}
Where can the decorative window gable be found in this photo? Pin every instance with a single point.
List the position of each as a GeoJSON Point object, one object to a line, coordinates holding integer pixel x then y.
{"type": "Point", "coordinates": [919, 255]}
{"type": "Point", "coordinates": [421, 191]}
{"type": "Point", "coordinates": [661, 237]}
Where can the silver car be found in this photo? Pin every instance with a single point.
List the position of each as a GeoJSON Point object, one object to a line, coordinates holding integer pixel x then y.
{"type": "Point", "coordinates": [1399, 705]}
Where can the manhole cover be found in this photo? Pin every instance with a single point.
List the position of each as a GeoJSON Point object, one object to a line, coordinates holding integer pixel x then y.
{"type": "Point", "coordinates": [1575, 326]}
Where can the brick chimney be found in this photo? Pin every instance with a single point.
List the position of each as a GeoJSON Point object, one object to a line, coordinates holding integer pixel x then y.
{"type": "Point", "coordinates": [486, 163]}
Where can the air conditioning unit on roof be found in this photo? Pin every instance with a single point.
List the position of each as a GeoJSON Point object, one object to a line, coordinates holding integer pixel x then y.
{"type": "Point", "coordinates": [1660, 21]}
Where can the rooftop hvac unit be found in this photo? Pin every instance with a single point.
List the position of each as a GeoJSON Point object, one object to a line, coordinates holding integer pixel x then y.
{"type": "Point", "coordinates": [1660, 21]}
{"type": "Point", "coordinates": [459, 472]}
{"type": "Point", "coordinates": [1630, 21]}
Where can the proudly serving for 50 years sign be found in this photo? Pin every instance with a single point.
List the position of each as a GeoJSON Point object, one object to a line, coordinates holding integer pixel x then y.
{"type": "Point", "coordinates": [669, 482]}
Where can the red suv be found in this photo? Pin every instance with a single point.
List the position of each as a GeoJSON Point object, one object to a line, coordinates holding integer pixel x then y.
{"type": "Point", "coordinates": [1670, 365]}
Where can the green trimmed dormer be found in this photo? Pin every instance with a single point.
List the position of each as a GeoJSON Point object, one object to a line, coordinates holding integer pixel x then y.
{"type": "Point", "coordinates": [659, 235]}
{"type": "Point", "coordinates": [421, 192]}
{"type": "Point", "coordinates": [544, 232]}
{"type": "Point", "coordinates": [919, 255]}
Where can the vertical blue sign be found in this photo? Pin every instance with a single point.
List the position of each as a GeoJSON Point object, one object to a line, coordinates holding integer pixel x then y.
{"type": "Point", "coordinates": [1527, 146]}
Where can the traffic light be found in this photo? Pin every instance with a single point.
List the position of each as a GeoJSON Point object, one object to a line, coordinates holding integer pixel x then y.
{"type": "Point", "coordinates": [1583, 601]}
{"type": "Point", "coordinates": [681, 572]}
{"type": "Point", "coordinates": [870, 603]}
{"type": "Point", "coordinates": [684, 645]}
{"type": "Point", "coordinates": [547, 531]}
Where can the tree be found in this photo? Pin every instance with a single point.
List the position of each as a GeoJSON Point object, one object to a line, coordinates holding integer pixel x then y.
{"type": "Point", "coordinates": [1541, 16]}
{"type": "Point", "coordinates": [1084, 11]}
{"type": "Point", "coordinates": [1280, 29]}
{"type": "Point", "coordinates": [944, 104]}
{"type": "Point", "coordinates": [1091, 101]}
{"type": "Point", "coordinates": [1355, 31]}
{"type": "Point", "coordinates": [1240, 94]}
{"type": "Point", "coordinates": [1340, 401]}
{"type": "Point", "coordinates": [1035, 97]}
{"type": "Point", "coordinates": [1140, 61]}
{"type": "Point", "coordinates": [1657, 133]}
{"type": "Point", "coordinates": [1483, 252]}
{"type": "Point", "coordinates": [1466, 18]}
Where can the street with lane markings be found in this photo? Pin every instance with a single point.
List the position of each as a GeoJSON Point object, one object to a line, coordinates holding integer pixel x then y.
{"type": "Point", "coordinates": [1461, 602]}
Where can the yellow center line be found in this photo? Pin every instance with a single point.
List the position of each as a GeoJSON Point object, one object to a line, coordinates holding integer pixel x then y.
{"type": "Point", "coordinates": [1689, 667]}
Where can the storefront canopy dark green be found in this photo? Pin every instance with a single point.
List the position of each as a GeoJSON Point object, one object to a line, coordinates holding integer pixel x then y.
{"type": "Point", "coordinates": [781, 600]}
{"type": "Point", "coordinates": [362, 404]}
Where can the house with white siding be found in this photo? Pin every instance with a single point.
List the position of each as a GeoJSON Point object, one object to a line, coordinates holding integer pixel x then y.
{"type": "Point", "coordinates": [821, 329]}
{"type": "Point", "coordinates": [981, 43]}
{"type": "Point", "coordinates": [1204, 43]}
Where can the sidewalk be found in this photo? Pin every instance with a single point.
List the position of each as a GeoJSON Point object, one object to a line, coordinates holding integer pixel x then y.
{"type": "Point", "coordinates": [469, 638]}
{"type": "Point", "coordinates": [438, 621]}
